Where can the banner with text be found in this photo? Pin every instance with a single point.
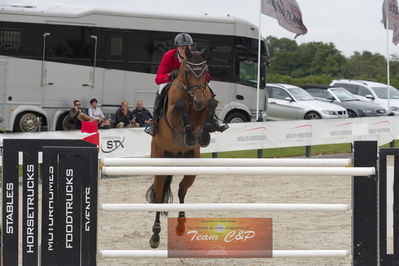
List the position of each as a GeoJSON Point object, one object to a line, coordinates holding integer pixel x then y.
{"type": "Point", "coordinates": [220, 238]}
{"type": "Point", "coordinates": [134, 142]}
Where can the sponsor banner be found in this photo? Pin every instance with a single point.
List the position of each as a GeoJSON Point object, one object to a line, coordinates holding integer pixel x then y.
{"type": "Point", "coordinates": [287, 13]}
{"type": "Point", "coordinates": [134, 142]}
{"type": "Point", "coordinates": [124, 142]}
{"type": "Point", "coordinates": [220, 238]}
{"type": "Point", "coordinates": [395, 127]}
{"type": "Point", "coordinates": [390, 15]}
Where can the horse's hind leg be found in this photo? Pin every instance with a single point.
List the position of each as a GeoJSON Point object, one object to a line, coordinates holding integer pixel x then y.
{"type": "Point", "coordinates": [187, 182]}
{"type": "Point", "coordinates": [205, 138]}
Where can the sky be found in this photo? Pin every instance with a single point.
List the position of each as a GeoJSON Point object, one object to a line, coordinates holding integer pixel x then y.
{"type": "Point", "coordinates": [352, 25]}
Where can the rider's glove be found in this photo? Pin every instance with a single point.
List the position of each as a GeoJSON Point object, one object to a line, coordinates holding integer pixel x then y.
{"type": "Point", "coordinates": [173, 74]}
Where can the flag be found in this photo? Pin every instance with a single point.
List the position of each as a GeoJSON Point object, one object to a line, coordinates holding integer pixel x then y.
{"type": "Point", "coordinates": [390, 12]}
{"type": "Point", "coordinates": [287, 13]}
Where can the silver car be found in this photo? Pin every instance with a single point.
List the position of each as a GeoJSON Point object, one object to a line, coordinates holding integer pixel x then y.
{"type": "Point", "coordinates": [288, 102]}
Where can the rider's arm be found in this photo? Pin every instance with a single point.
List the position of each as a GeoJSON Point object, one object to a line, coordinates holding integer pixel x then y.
{"type": "Point", "coordinates": [165, 67]}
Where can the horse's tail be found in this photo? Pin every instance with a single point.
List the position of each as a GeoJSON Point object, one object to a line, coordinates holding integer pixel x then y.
{"type": "Point", "coordinates": [167, 193]}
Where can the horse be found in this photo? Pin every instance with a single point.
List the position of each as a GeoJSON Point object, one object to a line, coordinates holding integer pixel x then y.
{"type": "Point", "coordinates": [183, 128]}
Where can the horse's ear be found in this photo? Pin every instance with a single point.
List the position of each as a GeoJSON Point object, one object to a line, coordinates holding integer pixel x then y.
{"type": "Point", "coordinates": [205, 52]}
{"type": "Point", "coordinates": [188, 52]}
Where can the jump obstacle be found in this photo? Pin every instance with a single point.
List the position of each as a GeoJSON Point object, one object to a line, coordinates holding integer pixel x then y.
{"type": "Point", "coordinates": [69, 172]}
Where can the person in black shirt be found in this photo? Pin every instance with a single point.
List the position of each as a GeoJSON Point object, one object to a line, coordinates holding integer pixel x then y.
{"type": "Point", "coordinates": [143, 116]}
{"type": "Point", "coordinates": [76, 115]}
{"type": "Point", "coordinates": [124, 118]}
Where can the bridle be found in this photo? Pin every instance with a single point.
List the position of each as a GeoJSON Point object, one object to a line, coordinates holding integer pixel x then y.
{"type": "Point", "coordinates": [197, 69]}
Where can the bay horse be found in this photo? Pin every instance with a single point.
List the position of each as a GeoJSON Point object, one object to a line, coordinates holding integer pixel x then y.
{"type": "Point", "coordinates": [183, 128]}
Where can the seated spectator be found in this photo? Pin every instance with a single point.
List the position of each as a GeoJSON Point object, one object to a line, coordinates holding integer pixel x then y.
{"type": "Point", "coordinates": [76, 115]}
{"type": "Point", "coordinates": [125, 118]}
{"type": "Point", "coordinates": [96, 113]}
{"type": "Point", "coordinates": [143, 116]}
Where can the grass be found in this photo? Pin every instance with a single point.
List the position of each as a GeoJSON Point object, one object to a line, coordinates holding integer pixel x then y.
{"type": "Point", "coordinates": [289, 152]}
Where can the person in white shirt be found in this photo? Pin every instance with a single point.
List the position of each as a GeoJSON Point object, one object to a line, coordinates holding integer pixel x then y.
{"type": "Point", "coordinates": [96, 113]}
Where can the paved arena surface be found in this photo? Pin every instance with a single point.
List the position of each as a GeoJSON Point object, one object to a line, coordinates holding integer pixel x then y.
{"type": "Point", "coordinates": [291, 230]}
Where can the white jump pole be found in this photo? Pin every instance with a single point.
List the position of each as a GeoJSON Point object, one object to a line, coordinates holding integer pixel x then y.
{"type": "Point", "coordinates": [246, 171]}
{"type": "Point", "coordinates": [276, 253]}
{"type": "Point", "coordinates": [224, 162]}
{"type": "Point", "coordinates": [226, 207]}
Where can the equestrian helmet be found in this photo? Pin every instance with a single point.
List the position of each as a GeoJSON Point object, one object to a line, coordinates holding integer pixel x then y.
{"type": "Point", "coordinates": [183, 39]}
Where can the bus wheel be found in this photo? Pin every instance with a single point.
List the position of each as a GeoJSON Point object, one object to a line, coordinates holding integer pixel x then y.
{"type": "Point", "coordinates": [236, 117]}
{"type": "Point", "coordinates": [64, 123]}
{"type": "Point", "coordinates": [28, 122]}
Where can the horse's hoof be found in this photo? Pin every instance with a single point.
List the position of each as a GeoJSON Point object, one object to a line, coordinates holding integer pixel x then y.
{"type": "Point", "coordinates": [153, 243]}
{"type": "Point", "coordinates": [204, 139]}
{"type": "Point", "coordinates": [189, 140]}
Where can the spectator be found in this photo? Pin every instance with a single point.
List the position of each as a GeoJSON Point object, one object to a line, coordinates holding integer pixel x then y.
{"type": "Point", "coordinates": [76, 115]}
{"type": "Point", "coordinates": [96, 113]}
{"type": "Point", "coordinates": [143, 116]}
{"type": "Point", "coordinates": [125, 118]}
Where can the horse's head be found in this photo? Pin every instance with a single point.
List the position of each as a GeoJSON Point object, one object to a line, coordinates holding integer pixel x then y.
{"type": "Point", "coordinates": [195, 71]}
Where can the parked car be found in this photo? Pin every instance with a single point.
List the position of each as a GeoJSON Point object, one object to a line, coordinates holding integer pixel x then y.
{"type": "Point", "coordinates": [372, 91]}
{"type": "Point", "coordinates": [342, 97]}
{"type": "Point", "coordinates": [288, 102]}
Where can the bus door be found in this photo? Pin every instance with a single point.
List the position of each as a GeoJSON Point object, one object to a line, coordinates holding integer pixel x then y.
{"type": "Point", "coordinates": [247, 84]}
{"type": "Point", "coordinates": [115, 73]}
{"type": "Point", "coordinates": [67, 66]}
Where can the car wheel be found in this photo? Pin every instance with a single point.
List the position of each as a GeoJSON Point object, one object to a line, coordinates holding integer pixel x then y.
{"type": "Point", "coordinates": [27, 122]}
{"type": "Point", "coordinates": [236, 117]}
{"type": "Point", "coordinates": [312, 115]}
{"type": "Point", "coordinates": [351, 113]}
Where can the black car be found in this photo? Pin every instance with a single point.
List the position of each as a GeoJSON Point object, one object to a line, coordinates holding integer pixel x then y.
{"type": "Point", "coordinates": [342, 97]}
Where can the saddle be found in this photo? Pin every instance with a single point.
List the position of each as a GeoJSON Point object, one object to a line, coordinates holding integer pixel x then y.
{"type": "Point", "coordinates": [164, 99]}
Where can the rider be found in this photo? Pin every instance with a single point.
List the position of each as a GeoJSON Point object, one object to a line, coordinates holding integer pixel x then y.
{"type": "Point", "coordinates": [167, 71]}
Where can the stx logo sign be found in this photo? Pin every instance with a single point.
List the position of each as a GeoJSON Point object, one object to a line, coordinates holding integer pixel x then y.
{"type": "Point", "coordinates": [111, 144]}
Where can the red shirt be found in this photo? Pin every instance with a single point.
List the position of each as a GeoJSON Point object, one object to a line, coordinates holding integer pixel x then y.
{"type": "Point", "coordinates": [169, 62]}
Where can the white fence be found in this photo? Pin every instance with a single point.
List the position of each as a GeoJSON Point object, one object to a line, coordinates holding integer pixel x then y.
{"type": "Point", "coordinates": [188, 166]}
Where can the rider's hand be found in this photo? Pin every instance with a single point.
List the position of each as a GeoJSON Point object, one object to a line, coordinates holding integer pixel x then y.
{"type": "Point", "coordinates": [173, 74]}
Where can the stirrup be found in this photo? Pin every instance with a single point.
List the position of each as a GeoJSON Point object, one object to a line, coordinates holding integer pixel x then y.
{"type": "Point", "coordinates": [221, 127]}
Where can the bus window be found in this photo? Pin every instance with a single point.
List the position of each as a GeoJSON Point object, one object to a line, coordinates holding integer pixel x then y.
{"type": "Point", "coordinates": [69, 44]}
{"type": "Point", "coordinates": [116, 46]}
{"type": "Point", "coordinates": [10, 40]}
{"type": "Point", "coordinates": [248, 70]}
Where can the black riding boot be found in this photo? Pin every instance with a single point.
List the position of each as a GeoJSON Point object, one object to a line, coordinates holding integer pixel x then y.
{"type": "Point", "coordinates": [153, 126]}
{"type": "Point", "coordinates": [215, 120]}
{"type": "Point", "coordinates": [216, 126]}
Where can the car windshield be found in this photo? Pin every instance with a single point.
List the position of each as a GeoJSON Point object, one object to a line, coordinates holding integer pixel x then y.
{"type": "Point", "coordinates": [382, 92]}
{"type": "Point", "coordinates": [300, 94]}
{"type": "Point", "coordinates": [343, 95]}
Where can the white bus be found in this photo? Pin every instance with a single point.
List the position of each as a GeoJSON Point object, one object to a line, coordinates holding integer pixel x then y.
{"type": "Point", "coordinates": [51, 56]}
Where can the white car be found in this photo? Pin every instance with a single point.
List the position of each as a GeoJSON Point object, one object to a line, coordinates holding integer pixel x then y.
{"type": "Point", "coordinates": [373, 92]}
{"type": "Point", "coordinates": [288, 102]}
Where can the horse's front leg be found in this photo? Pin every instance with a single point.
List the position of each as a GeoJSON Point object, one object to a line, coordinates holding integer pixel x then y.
{"type": "Point", "coordinates": [156, 228]}
{"type": "Point", "coordinates": [205, 138]}
{"type": "Point", "coordinates": [187, 182]}
{"type": "Point", "coordinates": [181, 109]}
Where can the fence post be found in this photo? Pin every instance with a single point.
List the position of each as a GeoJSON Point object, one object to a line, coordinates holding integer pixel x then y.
{"type": "Point", "coordinates": [364, 206]}
{"type": "Point", "coordinates": [308, 151]}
